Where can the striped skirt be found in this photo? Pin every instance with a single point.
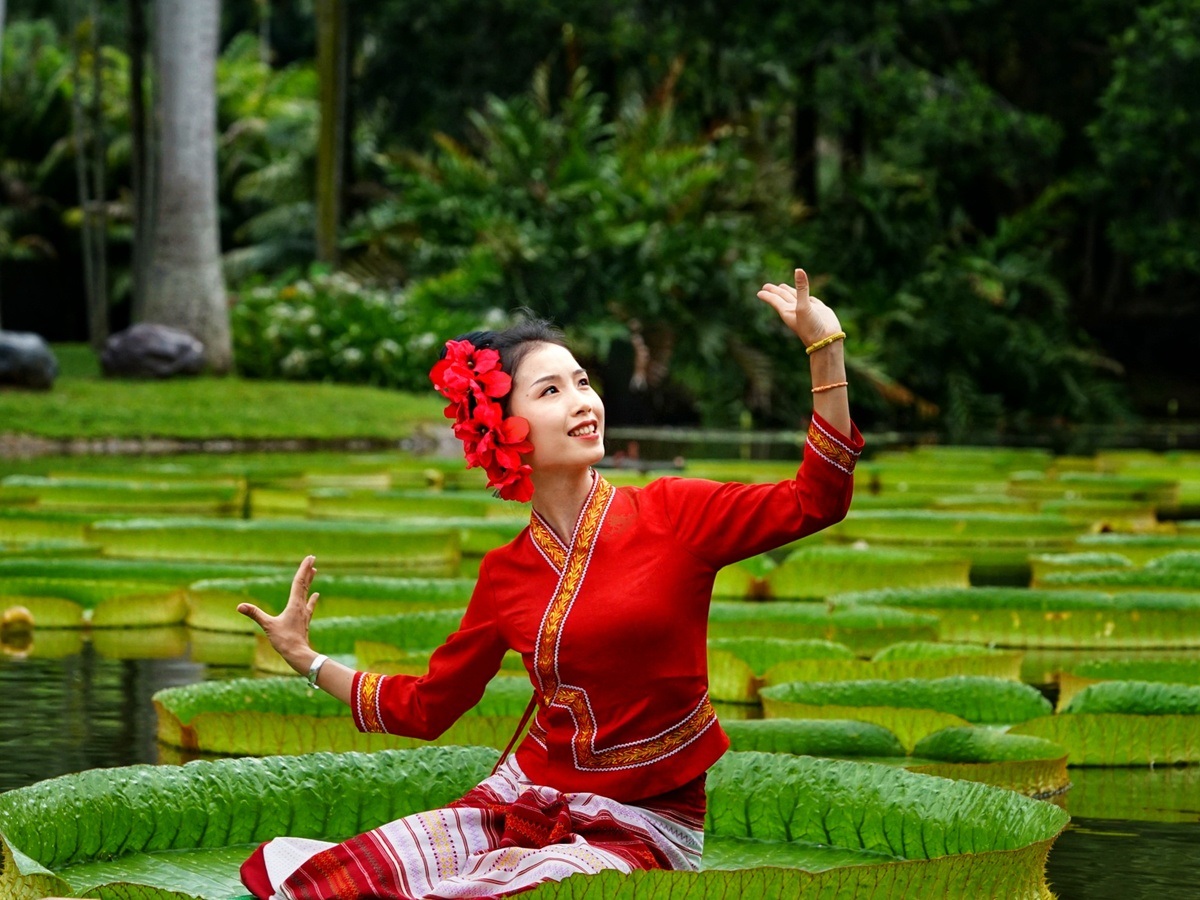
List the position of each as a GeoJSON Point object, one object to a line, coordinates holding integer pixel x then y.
{"type": "Point", "coordinates": [503, 837]}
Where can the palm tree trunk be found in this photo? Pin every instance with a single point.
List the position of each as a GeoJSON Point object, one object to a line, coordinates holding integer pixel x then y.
{"type": "Point", "coordinates": [141, 209]}
{"type": "Point", "coordinates": [98, 329]}
{"type": "Point", "coordinates": [331, 70]}
{"type": "Point", "coordinates": [186, 287]}
{"type": "Point", "coordinates": [2, 11]}
{"type": "Point", "coordinates": [80, 127]}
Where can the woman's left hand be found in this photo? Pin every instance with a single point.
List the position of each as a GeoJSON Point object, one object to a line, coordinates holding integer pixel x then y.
{"type": "Point", "coordinates": [807, 316]}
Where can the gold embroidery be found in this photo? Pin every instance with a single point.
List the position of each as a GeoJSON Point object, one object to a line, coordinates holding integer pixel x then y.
{"type": "Point", "coordinates": [671, 740]}
{"type": "Point", "coordinates": [575, 699]}
{"type": "Point", "coordinates": [545, 541]}
{"type": "Point", "coordinates": [832, 449]}
{"type": "Point", "coordinates": [569, 584]}
{"type": "Point", "coordinates": [368, 706]}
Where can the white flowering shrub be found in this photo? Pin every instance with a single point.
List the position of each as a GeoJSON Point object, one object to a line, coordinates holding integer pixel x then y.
{"type": "Point", "coordinates": [331, 327]}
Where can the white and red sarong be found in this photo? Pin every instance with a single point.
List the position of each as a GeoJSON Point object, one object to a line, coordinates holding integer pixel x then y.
{"type": "Point", "coordinates": [505, 836]}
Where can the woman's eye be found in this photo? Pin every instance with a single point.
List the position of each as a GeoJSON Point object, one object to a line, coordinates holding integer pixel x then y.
{"type": "Point", "coordinates": [583, 382]}
{"type": "Point", "coordinates": [548, 390]}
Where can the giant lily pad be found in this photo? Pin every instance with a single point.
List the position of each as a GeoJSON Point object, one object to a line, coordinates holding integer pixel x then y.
{"type": "Point", "coordinates": [1176, 671]}
{"type": "Point", "coordinates": [429, 546]}
{"type": "Point", "coordinates": [736, 666]}
{"type": "Point", "coordinates": [816, 572]}
{"type": "Point", "coordinates": [863, 630]}
{"type": "Point", "coordinates": [1178, 571]}
{"type": "Point", "coordinates": [1125, 723]}
{"type": "Point", "coordinates": [212, 603]}
{"type": "Point", "coordinates": [912, 708]}
{"type": "Point", "coordinates": [860, 830]}
{"type": "Point", "coordinates": [1031, 765]}
{"type": "Point", "coordinates": [908, 659]}
{"type": "Point", "coordinates": [266, 716]}
{"type": "Point", "coordinates": [1022, 617]}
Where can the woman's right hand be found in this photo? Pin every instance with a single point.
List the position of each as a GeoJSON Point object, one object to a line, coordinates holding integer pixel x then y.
{"type": "Point", "coordinates": [288, 631]}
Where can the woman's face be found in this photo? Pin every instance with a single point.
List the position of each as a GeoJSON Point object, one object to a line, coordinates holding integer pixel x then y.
{"type": "Point", "coordinates": [566, 417]}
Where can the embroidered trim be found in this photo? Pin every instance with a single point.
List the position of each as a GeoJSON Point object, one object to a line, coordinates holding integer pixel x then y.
{"type": "Point", "coordinates": [834, 451]}
{"type": "Point", "coordinates": [634, 753]}
{"type": "Point", "coordinates": [366, 703]}
{"type": "Point", "coordinates": [547, 542]}
{"type": "Point", "coordinates": [570, 580]}
{"type": "Point", "coordinates": [575, 699]}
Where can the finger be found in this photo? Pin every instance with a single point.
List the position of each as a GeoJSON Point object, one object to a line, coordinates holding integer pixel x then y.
{"type": "Point", "coordinates": [304, 577]}
{"type": "Point", "coordinates": [801, 286]}
{"type": "Point", "coordinates": [312, 604]}
{"type": "Point", "coordinates": [775, 300]}
{"type": "Point", "coordinates": [250, 611]}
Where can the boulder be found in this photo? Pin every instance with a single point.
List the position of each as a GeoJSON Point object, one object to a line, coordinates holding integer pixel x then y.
{"type": "Point", "coordinates": [152, 351]}
{"type": "Point", "coordinates": [26, 361]}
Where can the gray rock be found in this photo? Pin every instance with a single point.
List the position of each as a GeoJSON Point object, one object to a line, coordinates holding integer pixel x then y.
{"type": "Point", "coordinates": [152, 351]}
{"type": "Point", "coordinates": [26, 361]}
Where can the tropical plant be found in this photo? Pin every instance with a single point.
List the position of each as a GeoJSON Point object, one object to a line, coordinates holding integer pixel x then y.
{"type": "Point", "coordinates": [622, 228]}
{"type": "Point", "coordinates": [1147, 144]}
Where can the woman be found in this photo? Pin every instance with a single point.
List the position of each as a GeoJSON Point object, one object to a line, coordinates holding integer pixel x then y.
{"type": "Point", "coordinates": [605, 596]}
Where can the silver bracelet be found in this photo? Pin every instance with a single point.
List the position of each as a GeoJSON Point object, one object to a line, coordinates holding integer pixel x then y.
{"type": "Point", "coordinates": [315, 669]}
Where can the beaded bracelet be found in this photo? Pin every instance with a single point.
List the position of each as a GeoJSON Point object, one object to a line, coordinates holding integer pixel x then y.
{"type": "Point", "coordinates": [830, 387]}
{"type": "Point", "coordinates": [825, 342]}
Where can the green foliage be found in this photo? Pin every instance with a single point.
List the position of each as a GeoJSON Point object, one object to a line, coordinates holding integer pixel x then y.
{"type": "Point", "coordinates": [1142, 698]}
{"type": "Point", "coordinates": [331, 327]}
{"type": "Point", "coordinates": [813, 737]}
{"type": "Point", "coordinates": [1147, 143]}
{"type": "Point", "coordinates": [609, 224]}
{"type": "Point", "coordinates": [268, 121]}
{"type": "Point", "coordinates": [977, 745]}
{"type": "Point", "coordinates": [976, 699]}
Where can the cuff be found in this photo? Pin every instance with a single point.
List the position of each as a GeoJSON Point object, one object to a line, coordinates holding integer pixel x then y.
{"type": "Point", "coordinates": [835, 448]}
{"type": "Point", "coordinates": [364, 702]}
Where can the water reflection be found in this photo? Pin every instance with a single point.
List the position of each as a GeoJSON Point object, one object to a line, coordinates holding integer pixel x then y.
{"type": "Point", "coordinates": [1112, 859]}
{"type": "Point", "coordinates": [80, 711]}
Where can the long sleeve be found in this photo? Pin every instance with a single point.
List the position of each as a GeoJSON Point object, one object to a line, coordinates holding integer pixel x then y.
{"type": "Point", "coordinates": [459, 670]}
{"type": "Point", "coordinates": [721, 523]}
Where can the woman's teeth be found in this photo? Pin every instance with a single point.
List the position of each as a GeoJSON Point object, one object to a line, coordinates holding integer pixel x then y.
{"type": "Point", "coordinates": [590, 428]}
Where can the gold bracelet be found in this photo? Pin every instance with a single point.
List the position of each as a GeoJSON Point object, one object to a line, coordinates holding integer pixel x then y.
{"type": "Point", "coordinates": [830, 387]}
{"type": "Point", "coordinates": [824, 342]}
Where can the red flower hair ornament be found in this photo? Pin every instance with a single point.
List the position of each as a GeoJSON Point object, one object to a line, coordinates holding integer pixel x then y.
{"type": "Point", "coordinates": [472, 380]}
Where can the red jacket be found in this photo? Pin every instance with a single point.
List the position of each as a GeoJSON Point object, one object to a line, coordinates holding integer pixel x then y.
{"type": "Point", "coordinates": [612, 625]}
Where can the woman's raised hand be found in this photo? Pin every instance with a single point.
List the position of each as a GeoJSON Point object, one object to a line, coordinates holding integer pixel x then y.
{"type": "Point", "coordinates": [807, 316]}
{"type": "Point", "coordinates": [288, 631]}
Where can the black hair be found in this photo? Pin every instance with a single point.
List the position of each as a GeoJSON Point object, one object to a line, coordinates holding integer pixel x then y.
{"type": "Point", "coordinates": [514, 344]}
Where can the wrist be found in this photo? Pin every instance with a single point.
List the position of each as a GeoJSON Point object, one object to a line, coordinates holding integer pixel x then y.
{"type": "Point", "coordinates": [300, 658]}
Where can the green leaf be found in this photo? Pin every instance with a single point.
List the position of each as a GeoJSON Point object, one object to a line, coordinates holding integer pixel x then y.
{"type": "Point", "coordinates": [1116, 739]}
{"type": "Point", "coordinates": [912, 708]}
{"type": "Point", "coordinates": [1142, 698]}
{"type": "Point", "coordinates": [735, 664]}
{"type": "Point", "coordinates": [817, 572]}
{"type": "Point", "coordinates": [1028, 617]}
{"type": "Point", "coordinates": [1030, 765]}
{"type": "Point", "coordinates": [265, 716]}
{"type": "Point", "coordinates": [864, 630]}
{"type": "Point", "coordinates": [812, 737]}
{"type": "Point", "coordinates": [428, 546]}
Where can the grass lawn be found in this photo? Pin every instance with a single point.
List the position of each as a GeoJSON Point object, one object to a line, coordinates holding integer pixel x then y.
{"type": "Point", "coordinates": [82, 404]}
